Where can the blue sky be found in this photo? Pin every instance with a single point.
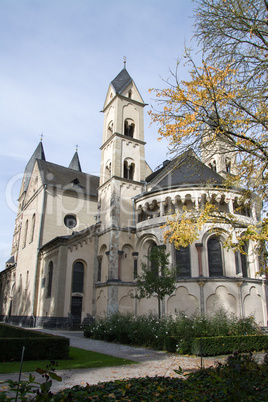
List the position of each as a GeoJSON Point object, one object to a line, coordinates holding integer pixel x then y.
{"type": "Point", "coordinates": [57, 60]}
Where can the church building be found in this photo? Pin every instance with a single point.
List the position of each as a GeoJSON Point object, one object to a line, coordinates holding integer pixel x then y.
{"type": "Point", "coordinates": [79, 240]}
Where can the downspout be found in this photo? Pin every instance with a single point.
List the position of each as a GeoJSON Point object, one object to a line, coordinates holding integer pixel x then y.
{"type": "Point", "coordinates": [37, 258]}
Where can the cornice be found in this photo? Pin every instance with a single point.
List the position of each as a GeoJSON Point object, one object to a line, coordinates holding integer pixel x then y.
{"type": "Point", "coordinates": [124, 137]}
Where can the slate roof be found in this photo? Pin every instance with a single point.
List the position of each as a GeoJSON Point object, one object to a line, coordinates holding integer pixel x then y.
{"type": "Point", "coordinates": [75, 163]}
{"type": "Point", "coordinates": [10, 261]}
{"type": "Point", "coordinates": [38, 154]}
{"type": "Point", "coordinates": [186, 170]}
{"type": "Point", "coordinates": [63, 177]}
{"type": "Point", "coordinates": [121, 81]}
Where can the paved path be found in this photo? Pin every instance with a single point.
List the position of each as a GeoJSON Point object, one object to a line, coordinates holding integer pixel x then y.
{"type": "Point", "coordinates": [152, 363]}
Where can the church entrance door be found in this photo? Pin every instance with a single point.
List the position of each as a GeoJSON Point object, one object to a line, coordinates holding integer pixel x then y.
{"type": "Point", "coordinates": [76, 311]}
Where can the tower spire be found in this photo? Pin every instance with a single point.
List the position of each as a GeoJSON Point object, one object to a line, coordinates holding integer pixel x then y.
{"type": "Point", "coordinates": [125, 61]}
{"type": "Point", "coordinates": [75, 162]}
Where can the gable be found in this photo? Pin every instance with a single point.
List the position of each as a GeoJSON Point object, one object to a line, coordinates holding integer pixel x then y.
{"type": "Point", "coordinates": [187, 169]}
{"type": "Point", "coordinates": [122, 85]}
{"type": "Point", "coordinates": [35, 182]}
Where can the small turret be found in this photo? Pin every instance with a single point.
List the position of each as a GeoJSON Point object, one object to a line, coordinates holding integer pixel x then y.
{"type": "Point", "coordinates": [75, 163]}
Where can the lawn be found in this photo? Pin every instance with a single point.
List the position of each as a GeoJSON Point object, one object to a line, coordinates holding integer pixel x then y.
{"type": "Point", "coordinates": [79, 358]}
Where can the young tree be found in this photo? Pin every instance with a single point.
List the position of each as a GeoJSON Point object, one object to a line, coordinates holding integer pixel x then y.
{"type": "Point", "coordinates": [156, 278]}
{"type": "Point", "coordinates": [225, 100]}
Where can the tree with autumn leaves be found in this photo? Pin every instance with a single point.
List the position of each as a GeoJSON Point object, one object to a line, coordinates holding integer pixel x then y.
{"type": "Point", "coordinates": [224, 101]}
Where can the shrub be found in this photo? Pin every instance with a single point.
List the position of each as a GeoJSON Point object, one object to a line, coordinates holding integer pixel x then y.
{"type": "Point", "coordinates": [168, 332]}
{"type": "Point", "coordinates": [219, 345]}
{"type": "Point", "coordinates": [38, 346]}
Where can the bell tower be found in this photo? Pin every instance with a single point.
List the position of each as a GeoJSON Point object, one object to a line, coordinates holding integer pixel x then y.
{"type": "Point", "coordinates": [123, 170]}
{"type": "Point", "coordinates": [217, 151]}
{"type": "Point", "coordinates": [123, 132]}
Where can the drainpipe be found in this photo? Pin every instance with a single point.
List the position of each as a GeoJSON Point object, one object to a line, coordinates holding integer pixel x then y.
{"type": "Point", "coordinates": [37, 258]}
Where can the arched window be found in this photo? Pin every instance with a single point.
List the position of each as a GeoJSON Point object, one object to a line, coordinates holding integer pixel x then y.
{"type": "Point", "coordinates": [129, 170]}
{"type": "Point", "coordinates": [25, 233]}
{"type": "Point", "coordinates": [215, 257]}
{"type": "Point", "coordinates": [33, 227]}
{"type": "Point", "coordinates": [228, 165]}
{"type": "Point", "coordinates": [108, 170]}
{"type": "Point", "coordinates": [169, 207]}
{"type": "Point", "coordinates": [130, 94]}
{"type": "Point", "coordinates": [241, 262]}
{"type": "Point", "coordinates": [50, 278]}
{"type": "Point", "coordinates": [129, 127]}
{"type": "Point", "coordinates": [183, 262]}
{"type": "Point", "coordinates": [213, 166]}
{"type": "Point", "coordinates": [152, 263]}
{"type": "Point", "coordinates": [99, 268]}
{"type": "Point", "coordinates": [78, 277]}
{"type": "Point", "coordinates": [110, 128]}
{"type": "Point", "coordinates": [154, 211]}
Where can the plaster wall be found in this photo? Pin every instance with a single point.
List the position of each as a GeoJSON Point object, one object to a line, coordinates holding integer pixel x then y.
{"type": "Point", "coordinates": [59, 204]}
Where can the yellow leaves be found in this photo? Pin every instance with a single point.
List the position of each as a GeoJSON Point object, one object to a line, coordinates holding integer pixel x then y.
{"type": "Point", "coordinates": [184, 229]}
{"type": "Point", "coordinates": [189, 104]}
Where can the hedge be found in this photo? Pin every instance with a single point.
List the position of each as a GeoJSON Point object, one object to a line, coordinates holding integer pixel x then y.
{"type": "Point", "coordinates": [9, 331]}
{"type": "Point", "coordinates": [213, 346]}
{"type": "Point", "coordinates": [219, 345]}
{"type": "Point", "coordinates": [38, 346]}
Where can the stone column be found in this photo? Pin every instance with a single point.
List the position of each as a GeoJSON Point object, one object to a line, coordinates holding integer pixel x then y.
{"type": "Point", "coordinates": [161, 208]}
{"type": "Point", "coordinates": [199, 247]}
{"type": "Point", "coordinates": [231, 206]}
{"type": "Point", "coordinates": [240, 302]}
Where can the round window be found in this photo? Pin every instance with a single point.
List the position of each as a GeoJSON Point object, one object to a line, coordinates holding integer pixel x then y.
{"type": "Point", "coordinates": [70, 221]}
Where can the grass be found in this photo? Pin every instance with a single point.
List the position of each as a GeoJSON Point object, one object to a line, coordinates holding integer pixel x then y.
{"type": "Point", "coordinates": [79, 358]}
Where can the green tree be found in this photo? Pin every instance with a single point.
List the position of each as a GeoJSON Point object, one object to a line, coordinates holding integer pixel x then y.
{"type": "Point", "coordinates": [156, 277]}
{"type": "Point", "coordinates": [225, 100]}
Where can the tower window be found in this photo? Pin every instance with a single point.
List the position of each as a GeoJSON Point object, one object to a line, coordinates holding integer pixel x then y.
{"type": "Point", "coordinates": [129, 170]}
{"type": "Point", "coordinates": [228, 165]}
{"type": "Point", "coordinates": [129, 127]}
{"type": "Point", "coordinates": [130, 94]}
{"type": "Point", "coordinates": [213, 166]}
{"type": "Point", "coordinates": [108, 170]}
{"type": "Point", "coordinates": [111, 127]}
